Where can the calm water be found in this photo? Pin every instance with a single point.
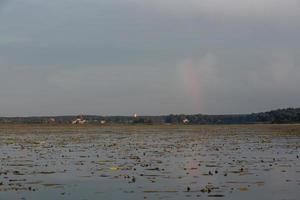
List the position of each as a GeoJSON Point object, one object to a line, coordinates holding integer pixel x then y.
{"type": "Point", "coordinates": [154, 162]}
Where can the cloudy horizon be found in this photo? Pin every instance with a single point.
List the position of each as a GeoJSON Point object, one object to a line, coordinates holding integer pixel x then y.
{"type": "Point", "coordinates": [118, 57]}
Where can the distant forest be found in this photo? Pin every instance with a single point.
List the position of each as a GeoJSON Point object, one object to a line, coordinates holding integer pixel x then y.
{"type": "Point", "coordinates": [289, 115]}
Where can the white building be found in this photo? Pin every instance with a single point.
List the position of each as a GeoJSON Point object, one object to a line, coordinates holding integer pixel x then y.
{"type": "Point", "coordinates": [79, 121]}
{"type": "Point", "coordinates": [185, 121]}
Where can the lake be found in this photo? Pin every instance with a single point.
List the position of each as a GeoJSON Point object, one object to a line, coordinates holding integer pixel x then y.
{"type": "Point", "coordinates": [92, 162]}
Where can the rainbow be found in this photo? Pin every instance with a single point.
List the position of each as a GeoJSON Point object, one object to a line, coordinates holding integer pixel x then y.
{"type": "Point", "coordinates": [192, 81]}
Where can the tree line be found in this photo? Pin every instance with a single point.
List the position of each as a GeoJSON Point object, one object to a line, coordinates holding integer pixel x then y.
{"type": "Point", "coordinates": [288, 115]}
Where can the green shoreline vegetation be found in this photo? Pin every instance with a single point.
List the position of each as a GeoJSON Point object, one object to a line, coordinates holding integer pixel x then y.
{"type": "Point", "coordinates": [281, 129]}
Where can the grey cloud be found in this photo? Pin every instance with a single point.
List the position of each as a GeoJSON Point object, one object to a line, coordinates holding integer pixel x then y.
{"type": "Point", "coordinates": [271, 83]}
{"type": "Point", "coordinates": [120, 57]}
{"type": "Point", "coordinates": [270, 10]}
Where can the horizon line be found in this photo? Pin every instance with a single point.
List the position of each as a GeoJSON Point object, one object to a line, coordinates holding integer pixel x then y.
{"type": "Point", "coordinates": [159, 115]}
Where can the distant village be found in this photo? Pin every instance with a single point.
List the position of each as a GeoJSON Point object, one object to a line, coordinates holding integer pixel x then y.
{"type": "Point", "coordinates": [100, 120]}
{"type": "Point", "coordinates": [289, 115]}
{"type": "Point", "coordinates": [133, 120]}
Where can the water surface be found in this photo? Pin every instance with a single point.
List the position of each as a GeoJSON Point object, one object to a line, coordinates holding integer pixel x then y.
{"type": "Point", "coordinates": [150, 162]}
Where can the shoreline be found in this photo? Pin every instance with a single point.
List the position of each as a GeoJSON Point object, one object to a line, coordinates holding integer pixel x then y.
{"type": "Point", "coordinates": [119, 128]}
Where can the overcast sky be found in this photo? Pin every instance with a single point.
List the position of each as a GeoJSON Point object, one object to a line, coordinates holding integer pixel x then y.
{"type": "Point", "coordinates": [118, 57]}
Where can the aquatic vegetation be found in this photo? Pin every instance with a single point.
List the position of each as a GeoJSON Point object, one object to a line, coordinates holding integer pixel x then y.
{"type": "Point", "coordinates": [152, 162]}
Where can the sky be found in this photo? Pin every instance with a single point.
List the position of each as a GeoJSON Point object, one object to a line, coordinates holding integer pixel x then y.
{"type": "Point", "coordinates": [151, 57]}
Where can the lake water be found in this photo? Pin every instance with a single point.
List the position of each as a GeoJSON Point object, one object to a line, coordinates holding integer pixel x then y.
{"type": "Point", "coordinates": [150, 162]}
